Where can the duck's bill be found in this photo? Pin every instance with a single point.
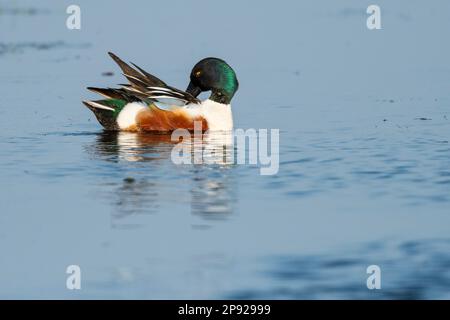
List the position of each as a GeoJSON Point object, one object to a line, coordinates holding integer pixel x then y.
{"type": "Point", "coordinates": [193, 89]}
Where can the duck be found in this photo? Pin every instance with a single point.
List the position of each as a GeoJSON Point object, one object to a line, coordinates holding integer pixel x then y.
{"type": "Point", "coordinates": [148, 104]}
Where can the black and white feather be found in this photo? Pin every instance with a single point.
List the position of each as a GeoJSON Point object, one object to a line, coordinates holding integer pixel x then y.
{"type": "Point", "coordinates": [144, 87]}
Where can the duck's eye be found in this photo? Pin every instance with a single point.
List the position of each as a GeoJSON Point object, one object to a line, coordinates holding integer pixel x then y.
{"type": "Point", "coordinates": [198, 73]}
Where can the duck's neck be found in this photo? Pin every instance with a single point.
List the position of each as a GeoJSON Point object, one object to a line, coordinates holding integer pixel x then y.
{"type": "Point", "coordinates": [218, 115]}
{"type": "Point", "coordinates": [221, 96]}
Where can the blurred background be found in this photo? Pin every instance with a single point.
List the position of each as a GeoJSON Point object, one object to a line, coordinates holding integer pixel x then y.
{"type": "Point", "coordinates": [364, 153]}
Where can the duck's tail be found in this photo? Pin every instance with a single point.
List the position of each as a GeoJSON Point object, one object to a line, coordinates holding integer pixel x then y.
{"type": "Point", "coordinates": [106, 111]}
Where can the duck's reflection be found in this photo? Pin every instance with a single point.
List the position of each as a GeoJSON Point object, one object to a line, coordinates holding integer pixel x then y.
{"type": "Point", "coordinates": [135, 197]}
{"type": "Point", "coordinates": [156, 180]}
{"type": "Point", "coordinates": [211, 194]}
{"type": "Point", "coordinates": [130, 146]}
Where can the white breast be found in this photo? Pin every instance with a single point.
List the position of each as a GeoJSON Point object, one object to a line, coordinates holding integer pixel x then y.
{"type": "Point", "coordinates": [218, 115]}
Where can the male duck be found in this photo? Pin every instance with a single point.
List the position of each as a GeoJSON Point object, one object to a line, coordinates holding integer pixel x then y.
{"type": "Point", "coordinates": [149, 104]}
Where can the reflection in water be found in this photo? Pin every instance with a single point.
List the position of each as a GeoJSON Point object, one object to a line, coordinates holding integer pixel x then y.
{"type": "Point", "coordinates": [148, 158]}
{"type": "Point", "coordinates": [212, 196]}
{"type": "Point", "coordinates": [134, 198]}
{"type": "Point", "coordinates": [115, 146]}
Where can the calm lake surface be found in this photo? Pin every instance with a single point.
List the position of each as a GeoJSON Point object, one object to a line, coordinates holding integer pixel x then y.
{"type": "Point", "coordinates": [364, 176]}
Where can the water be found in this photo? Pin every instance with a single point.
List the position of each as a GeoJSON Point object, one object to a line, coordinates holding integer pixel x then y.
{"type": "Point", "coordinates": [364, 154]}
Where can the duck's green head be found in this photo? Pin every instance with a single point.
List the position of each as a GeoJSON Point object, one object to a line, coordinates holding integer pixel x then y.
{"type": "Point", "coordinates": [215, 75]}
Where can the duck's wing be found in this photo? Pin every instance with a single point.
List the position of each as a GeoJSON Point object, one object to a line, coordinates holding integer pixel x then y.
{"type": "Point", "coordinates": [146, 87]}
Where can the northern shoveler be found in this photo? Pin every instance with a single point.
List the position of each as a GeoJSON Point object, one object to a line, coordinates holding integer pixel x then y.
{"type": "Point", "coordinates": [149, 104]}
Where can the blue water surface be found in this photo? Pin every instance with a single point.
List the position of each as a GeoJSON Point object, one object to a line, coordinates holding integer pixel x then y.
{"type": "Point", "coordinates": [364, 176]}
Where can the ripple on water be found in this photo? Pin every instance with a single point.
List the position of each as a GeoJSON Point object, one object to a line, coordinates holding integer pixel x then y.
{"type": "Point", "coordinates": [405, 168]}
{"type": "Point", "coordinates": [22, 47]}
{"type": "Point", "coordinates": [410, 270]}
